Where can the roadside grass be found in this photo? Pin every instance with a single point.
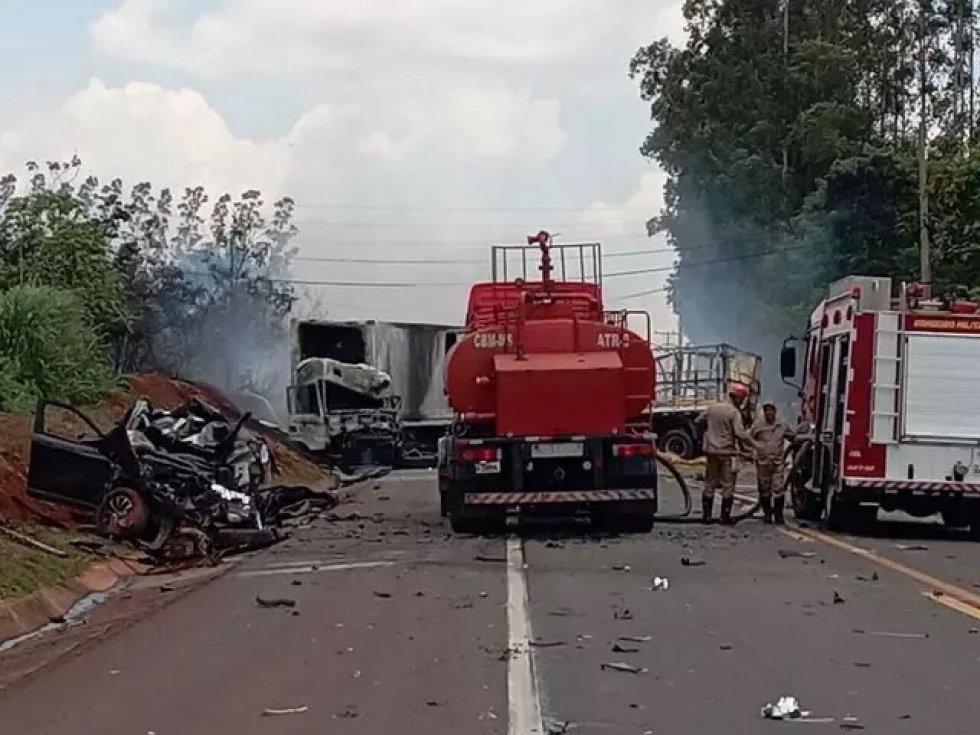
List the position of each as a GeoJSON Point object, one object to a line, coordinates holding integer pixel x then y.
{"type": "Point", "coordinates": [24, 570]}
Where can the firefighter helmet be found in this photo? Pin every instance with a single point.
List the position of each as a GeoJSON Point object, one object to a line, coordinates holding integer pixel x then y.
{"type": "Point", "coordinates": [738, 390]}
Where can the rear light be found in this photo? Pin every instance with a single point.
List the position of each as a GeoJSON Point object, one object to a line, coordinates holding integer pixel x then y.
{"type": "Point", "coordinates": [633, 450]}
{"type": "Point", "coordinates": [479, 454]}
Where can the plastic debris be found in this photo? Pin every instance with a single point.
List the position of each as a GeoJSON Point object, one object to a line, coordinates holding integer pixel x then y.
{"type": "Point", "coordinates": [623, 614]}
{"type": "Point", "coordinates": [838, 600]}
{"type": "Point", "coordinates": [624, 649]}
{"type": "Point", "coordinates": [786, 708]}
{"type": "Point", "coordinates": [793, 554]}
{"type": "Point", "coordinates": [622, 568]}
{"type": "Point", "coordinates": [272, 712]}
{"type": "Point", "coordinates": [689, 562]}
{"type": "Point", "coordinates": [633, 638]}
{"type": "Point", "coordinates": [275, 602]}
{"type": "Point", "coordinates": [625, 668]}
{"type": "Point", "coordinates": [660, 584]}
{"type": "Point", "coordinates": [911, 547]}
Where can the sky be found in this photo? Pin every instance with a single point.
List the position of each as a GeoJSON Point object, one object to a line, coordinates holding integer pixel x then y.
{"type": "Point", "coordinates": [406, 130]}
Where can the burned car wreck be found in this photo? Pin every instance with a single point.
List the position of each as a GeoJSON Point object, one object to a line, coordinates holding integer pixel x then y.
{"type": "Point", "coordinates": [177, 484]}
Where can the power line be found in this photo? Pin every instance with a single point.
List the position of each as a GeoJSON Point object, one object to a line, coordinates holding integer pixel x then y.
{"type": "Point", "coordinates": [454, 225]}
{"type": "Point", "coordinates": [448, 261]}
{"type": "Point", "coordinates": [312, 204]}
{"type": "Point", "coordinates": [638, 272]}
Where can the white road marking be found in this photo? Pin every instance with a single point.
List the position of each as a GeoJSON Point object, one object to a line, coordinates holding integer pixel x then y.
{"type": "Point", "coordinates": [524, 709]}
{"type": "Point", "coordinates": [314, 569]}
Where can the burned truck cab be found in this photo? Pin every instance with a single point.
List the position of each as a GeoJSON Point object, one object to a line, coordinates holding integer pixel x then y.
{"type": "Point", "coordinates": [344, 413]}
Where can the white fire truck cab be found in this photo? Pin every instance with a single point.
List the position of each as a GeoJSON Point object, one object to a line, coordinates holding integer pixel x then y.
{"type": "Point", "coordinates": [890, 402]}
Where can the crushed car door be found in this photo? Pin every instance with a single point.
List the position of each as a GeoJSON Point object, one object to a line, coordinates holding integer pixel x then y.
{"type": "Point", "coordinates": [62, 469]}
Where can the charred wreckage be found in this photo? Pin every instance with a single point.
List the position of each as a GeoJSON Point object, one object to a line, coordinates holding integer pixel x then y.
{"type": "Point", "coordinates": [178, 484]}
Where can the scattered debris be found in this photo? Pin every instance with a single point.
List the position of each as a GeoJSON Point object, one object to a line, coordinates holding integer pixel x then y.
{"type": "Point", "coordinates": [689, 562]}
{"type": "Point", "coordinates": [555, 545]}
{"type": "Point", "coordinates": [545, 644]}
{"type": "Point", "coordinates": [838, 599]}
{"type": "Point", "coordinates": [911, 547]}
{"type": "Point", "coordinates": [624, 649]}
{"type": "Point", "coordinates": [793, 554]}
{"type": "Point", "coordinates": [888, 634]}
{"type": "Point", "coordinates": [660, 584]}
{"type": "Point", "coordinates": [492, 559]}
{"type": "Point", "coordinates": [626, 668]}
{"type": "Point", "coordinates": [786, 708]}
{"type": "Point", "coordinates": [348, 713]}
{"type": "Point", "coordinates": [271, 712]}
{"type": "Point", "coordinates": [862, 664]}
{"type": "Point", "coordinates": [634, 638]}
{"type": "Point", "coordinates": [851, 723]}
{"type": "Point", "coordinates": [296, 583]}
{"type": "Point", "coordinates": [622, 568]}
{"type": "Point", "coordinates": [561, 612]}
{"type": "Point", "coordinates": [725, 646]}
{"type": "Point", "coordinates": [872, 578]}
{"type": "Point", "coordinates": [382, 595]}
{"type": "Point", "coordinates": [557, 727]}
{"type": "Point", "coordinates": [275, 602]}
{"type": "Point", "coordinates": [623, 614]}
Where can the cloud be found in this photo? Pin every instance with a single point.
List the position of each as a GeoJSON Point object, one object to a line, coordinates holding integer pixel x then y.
{"type": "Point", "coordinates": [279, 36]}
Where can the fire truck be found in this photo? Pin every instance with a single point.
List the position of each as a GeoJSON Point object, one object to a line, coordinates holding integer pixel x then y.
{"type": "Point", "coordinates": [549, 392]}
{"type": "Point", "coordinates": [890, 398]}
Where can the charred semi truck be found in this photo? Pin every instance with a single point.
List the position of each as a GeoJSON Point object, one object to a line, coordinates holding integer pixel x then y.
{"type": "Point", "coordinates": [369, 393]}
{"type": "Point", "coordinates": [890, 391]}
{"type": "Point", "coordinates": [548, 389]}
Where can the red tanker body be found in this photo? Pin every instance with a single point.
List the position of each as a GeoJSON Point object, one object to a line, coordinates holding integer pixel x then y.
{"type": "Point", "coordinates": [549, 392]}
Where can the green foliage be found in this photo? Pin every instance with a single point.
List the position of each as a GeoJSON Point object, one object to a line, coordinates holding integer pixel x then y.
{"type": "Point", "coordinates": [789, 167]}
{"type": "Point", "coordinates": [48, 349]}
{"type": "Point", "coordinates": [157, 284]}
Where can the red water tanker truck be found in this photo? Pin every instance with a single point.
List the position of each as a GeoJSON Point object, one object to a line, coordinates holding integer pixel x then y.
{"type": "Point", "coordinates": [549, 392]}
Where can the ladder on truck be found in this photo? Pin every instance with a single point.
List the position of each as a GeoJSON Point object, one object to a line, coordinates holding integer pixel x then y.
{"type": "Point", "coordinates": [886, 384]}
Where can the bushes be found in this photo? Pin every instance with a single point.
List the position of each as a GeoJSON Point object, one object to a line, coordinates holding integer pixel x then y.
{"type": "Point", "coordinates": [48, 348]}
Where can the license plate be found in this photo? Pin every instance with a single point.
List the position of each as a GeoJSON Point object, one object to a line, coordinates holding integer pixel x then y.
{"type": "Point", "coordinates": [564, 449]}
{"type": "Point", "coordinates": [487, 468]}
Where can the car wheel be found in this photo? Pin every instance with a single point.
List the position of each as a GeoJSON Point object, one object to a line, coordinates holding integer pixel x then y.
{"type": "Point", "coordinates": [123, 513]}
{"type": "Point", "coordinates": [678, 442]}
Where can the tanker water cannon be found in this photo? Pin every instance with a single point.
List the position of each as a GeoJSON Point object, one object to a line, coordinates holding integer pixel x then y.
{"type": "Point", "coordinates": [543, 241]}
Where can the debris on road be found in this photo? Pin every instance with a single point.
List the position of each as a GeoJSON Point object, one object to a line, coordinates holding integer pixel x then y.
{"type": "Point", "coordinates": [625, 668]}
{"type": "Point", "coordinates": [624, 649]}
{"type": "Point", "coordinates": [911, 547]}
{"type": "Point", "coordinates": [622, 568]}
{"type": "Point", "coordinates": [872, 578]}
{"type": "Point", "coordinates": [851, 723]}
{"type": "Point", "coordinates": [490, 559]}
{"type": "Point", "coordinates": [635, 638]}
{"type": "Point", "coordinates": [623, 613]}
{"type": "Point", "coordinates": [382, 595]}
{"type": "Point", "coordinates": [793, 554]}
{"type": "Point", "coordinates": [272, 712]}
{"type": "Point", "coordinates": [275, 602]}
{"type": "Point", "coordinates": [537, 643]}
{"type": "Point", "coordinates": [689, 562]}
{"type": "Point", "coordinates": [888, 634]}
{"type": "Point", "coordinates": [786, 708]}
{"type": "Point", "coordinates": [660, 584]}
{"type": "Point", "coordinates": [838, 599]}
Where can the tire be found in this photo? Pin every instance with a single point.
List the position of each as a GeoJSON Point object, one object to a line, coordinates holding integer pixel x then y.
{"type": "Point", "coordinates": [806, 504]}
{"type": "Point", "coordinates": [847, 516]}
{"type": "Point", "coordinates": [678, 442]}
{"type": "Point", "coordinates": [122, 513]}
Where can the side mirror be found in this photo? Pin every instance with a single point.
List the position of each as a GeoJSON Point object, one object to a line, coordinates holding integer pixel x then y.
{"type": "Point", "coordinates": [787, 362]}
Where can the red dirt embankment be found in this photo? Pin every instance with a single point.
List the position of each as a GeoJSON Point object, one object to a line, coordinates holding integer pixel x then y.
{"type": "Point", "coordinates": [162, 392]}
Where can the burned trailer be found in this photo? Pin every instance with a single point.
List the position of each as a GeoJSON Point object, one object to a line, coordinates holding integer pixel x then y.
{"type": "Point", "coordinates": [890, 395]}
{"type": "Point", "coordinates": [412, 355]}
{"type": "Point", "coordinates": [689, 378]}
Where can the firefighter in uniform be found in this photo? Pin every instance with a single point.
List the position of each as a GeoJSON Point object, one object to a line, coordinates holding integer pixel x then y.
{"type": "Point", "coordinates": [770, 434]}
{"type": "Point", "coordinates": [724, 430]}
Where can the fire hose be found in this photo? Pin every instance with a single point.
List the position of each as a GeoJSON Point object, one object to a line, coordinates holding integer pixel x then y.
{"type": "Point", "coordinates": [684, 515]}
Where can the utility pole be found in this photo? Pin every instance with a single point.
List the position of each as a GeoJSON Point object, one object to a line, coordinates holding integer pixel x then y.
{"type": "Point", "coordinates": [925, 269]}
{"type": "Point", "coordinates": [786, 75]}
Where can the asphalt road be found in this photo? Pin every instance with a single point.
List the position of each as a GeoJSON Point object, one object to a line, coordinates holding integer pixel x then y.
{"type": "Point", "coordinates": [398, 627]}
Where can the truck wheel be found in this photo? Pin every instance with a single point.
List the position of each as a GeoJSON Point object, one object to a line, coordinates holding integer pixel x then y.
{"type": "Point", "coordinates": [844, 516]}
{"type": "Point", "coordinates": [678, 442]}
{"type": "Point", "coordinates": [806, 504]}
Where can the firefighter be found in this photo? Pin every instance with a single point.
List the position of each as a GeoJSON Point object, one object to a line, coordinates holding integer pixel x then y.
{"type": "Point", "coordinates": [770, 434]}
{"type": "Point", "coordinates": [724, 431]}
